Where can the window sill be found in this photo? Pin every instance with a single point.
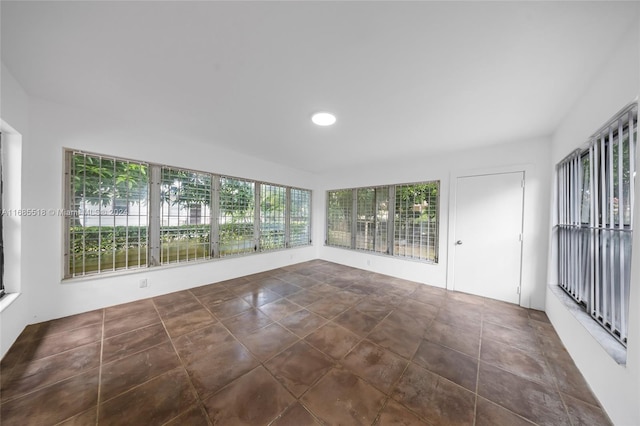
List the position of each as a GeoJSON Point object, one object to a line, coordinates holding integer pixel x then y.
{"type": "Point", "coordinates": [608, 342]}
{"type": "Point", "coordinates": [7, 300]}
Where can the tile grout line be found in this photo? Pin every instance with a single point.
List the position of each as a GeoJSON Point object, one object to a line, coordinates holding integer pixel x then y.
{"type": "Point", "coordinates": [518, 375]}
{"type": "Point", "coordinates": [555, 379]}
{"type": "Point", "coordinates": [335, 364]}
{"type": "Point", "coordinates": [182, 364]}
{"type": "Point", "coordinates": [100, 368]}
{"type": "Point", "coordinates": [237, 339]}
{"type": "Point", "coordinates": [406, 367]}
{"type": "Point", "coordinates": [475, 405]}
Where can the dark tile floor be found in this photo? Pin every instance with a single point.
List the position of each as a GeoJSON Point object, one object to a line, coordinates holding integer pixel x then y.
{"type": "Point", "coordinates": [314, 343]}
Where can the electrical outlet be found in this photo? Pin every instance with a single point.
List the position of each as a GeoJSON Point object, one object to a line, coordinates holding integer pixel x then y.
{"type": "Point", "coordinates": [144, 283]}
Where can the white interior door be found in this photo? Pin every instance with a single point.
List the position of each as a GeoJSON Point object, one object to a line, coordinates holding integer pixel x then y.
{"type": "Point", "coordinates": [488, 235]}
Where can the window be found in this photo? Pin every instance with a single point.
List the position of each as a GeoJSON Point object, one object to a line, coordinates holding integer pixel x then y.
{"type": "Point", "coordinates": [339, 218]}
{"type": "Point", "coordinates": [101, 237]}
{"type": "Point", "coordinates": [299, 217]}
{"type": "Point", "coordinates": [360, 219]}
{"type": "Point", "coordinates": [273, 206]}
{"type": "Point", "coordinates": [125, 214]}
{"type": "Point", "coordinates": [184, 220]}
{"type": "Point", "coordinates": [595, 209]}
{"type": "Point", "coordinates": [416, 221]}
{"type": "Point", "coordinates": [236, 217]}
{"type": "Point", "coordinates": [372, 216]}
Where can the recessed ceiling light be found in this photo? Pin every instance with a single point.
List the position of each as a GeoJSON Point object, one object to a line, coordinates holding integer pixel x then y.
{"type": "Point", "coordinates": [323, 118]}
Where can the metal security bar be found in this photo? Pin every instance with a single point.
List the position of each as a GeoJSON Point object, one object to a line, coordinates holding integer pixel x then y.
{"type": "Point", "coordinates": [595, 210]}
{"type": "Point", "coordinates": [365, 218]}
{"type": "Point", "coordinates": [573, 235]}
{"type": "Point", "coordinates": [236, 216]}
{"type": "Point", "coordinates": [185, 216]}
{"type": "Point", "coordinates": [372, 218]}
{"type": "Point", "coordinates": [613, 153]}
{"type": "Point", "coordinates": [273, 212]}
{"type": "Point", "coordinates": [400, 220]}
{"type": "Point", "coordinates": [106, 214]}
{"type": "Point", "coordinates": [299, 217]}
{"type": "Point", "coordinates": [339, 218]}
{"type": "Point", "coordinates": [416, 221]}
{"type": "Point", "coordinates": [124, 214]}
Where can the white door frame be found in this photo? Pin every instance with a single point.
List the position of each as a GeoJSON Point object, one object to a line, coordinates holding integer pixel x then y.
{"type": "Point", "coordinates": [526, 170]}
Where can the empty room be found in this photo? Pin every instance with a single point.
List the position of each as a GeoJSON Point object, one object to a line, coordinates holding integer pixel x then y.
{"type": "Point", "coordinates": [319, 213]}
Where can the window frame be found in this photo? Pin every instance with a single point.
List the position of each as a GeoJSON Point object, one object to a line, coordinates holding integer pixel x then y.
{"type": "Point", "coordinates": [348, 217]}
{"type": "Point", "coordinates": [408, 219]}
{"type": "Point", "coordinates": [72, 213]}
{"type": "Point", "coordinates": [305, 238]}
{"type": "Point", "coordinates": [154, 199]}
{"type": "Point", "coordinates": [351, 201]}
{"type": "Point", "coordinates": [594, 249]}
{"type": "Point", "coordinates": [197, 184]}
{"type": "Point", "coordinates": [251, 236]}
{"type": "Point", "coordinates": [270, 239]}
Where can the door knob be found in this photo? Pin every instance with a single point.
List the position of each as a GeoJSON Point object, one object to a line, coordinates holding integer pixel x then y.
{"type": "Point", "coordinates": [459, 242]}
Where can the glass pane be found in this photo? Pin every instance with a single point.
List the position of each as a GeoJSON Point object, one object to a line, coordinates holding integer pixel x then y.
{"type": "Point", "coordinates": [273, 212]}
{"type": "Point", "coordinates": [339, 218]}
{"type": "Point", "coordinates": [585, 208]}
{"type": "Point", "coordinates": [372, 216]}
{"type": "Point", "coordinates": [366, 218]}
{"type": "Point", "coordinates": [108, 225]}
{"type": "Point", "coordinates": [416, 221]}
{"type": "Point", "coordinates": [185, 226]}
{"type": "Point", "coordinates": [382, 220]}
{"type": "Point", "coordinates": [236, 216]}
{"type": "Point", "coordinates": [627, 173]}
{"type": "Point", "coordinates": [300, 218]}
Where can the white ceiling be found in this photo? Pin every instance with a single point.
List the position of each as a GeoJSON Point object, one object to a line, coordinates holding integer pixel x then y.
{"type": "Point", "coordinates": [405, 79]}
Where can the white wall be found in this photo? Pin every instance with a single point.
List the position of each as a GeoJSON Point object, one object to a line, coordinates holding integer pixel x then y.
{"type": "Point", "coordinates": [54, 127]}
{"type": "Point", "coordinates": [616, 386]}
{"type": "Point", "coordinates": [14, 311]}
{"type": "Point", "coordinates": [532, 156]}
